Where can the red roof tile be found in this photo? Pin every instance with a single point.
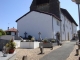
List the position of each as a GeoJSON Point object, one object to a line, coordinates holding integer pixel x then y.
{"type": "Point", "coordinates": [12, 30]}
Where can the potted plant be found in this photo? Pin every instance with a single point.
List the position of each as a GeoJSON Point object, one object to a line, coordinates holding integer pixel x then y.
{"type": "Point", "coordinates": [32, 39]}
{"type": "Point", "coordinates": [22, 41]}
{"type": "Point", "coordinates": [27, 40]}
{"type": "Point", "coordinates": [45, 41]}
{"type": "Point", "coordinates": [11, 46]}
{"type": "Point", "coordinates": [52, 41]}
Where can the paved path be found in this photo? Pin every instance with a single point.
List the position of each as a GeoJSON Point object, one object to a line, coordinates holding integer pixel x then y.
{"type": "Point", "coordinates": [61, 53]}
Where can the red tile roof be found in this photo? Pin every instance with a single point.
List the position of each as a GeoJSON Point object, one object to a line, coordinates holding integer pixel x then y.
{"type": "Point", "coordinates": [12, 30]}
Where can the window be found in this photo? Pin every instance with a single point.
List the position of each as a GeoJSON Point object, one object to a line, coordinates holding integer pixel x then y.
{"type": "Point", "coordinates": [66, 26]}
{"type": "Point", "coordinates": [67, 21]}
{"type": "Point", "coordinates": [62, 16]}
{"type": "Point", "coordinates": [63, 27]}
{"type": "Point", "coordinates": [58, 23]}
{"type": "Point", "coordinates": [63, 32]}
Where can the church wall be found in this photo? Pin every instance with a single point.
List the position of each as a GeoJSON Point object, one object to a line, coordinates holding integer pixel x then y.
{"type": "Point", "coordinates": [62, 28]}
{"type": "Point", "coordinates": [74, 28]}
{"type": "Point", "coordinates": [34, 23]}
{"type": "Point", "coordinates": [66, 28]}
{"type": "Point", "coordinates": [56, 26]}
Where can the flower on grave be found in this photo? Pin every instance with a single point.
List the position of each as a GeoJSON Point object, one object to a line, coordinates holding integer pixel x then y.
{"type": "Point", "coordinates": [32, 38]}
{"type": "Point", "coordinates": [45, 41]}
{"type": "Point", "coordinates": [52, 41]}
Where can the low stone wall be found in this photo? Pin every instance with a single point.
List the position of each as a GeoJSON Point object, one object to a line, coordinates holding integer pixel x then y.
{"type": "Point", "coordinates": [3, 43]}
{"type": "Point", "coordinates": [47, 45]}
{"type": "Point", "coordinates": [30, 45]}
{"type": "Point", "coordinates": [17, 43]}
{"type": "Point", "coordinates": [6, 37]}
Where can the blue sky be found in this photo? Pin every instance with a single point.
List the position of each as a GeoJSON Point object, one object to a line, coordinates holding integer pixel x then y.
{"type": "Point", "coordinates": [11, 10]}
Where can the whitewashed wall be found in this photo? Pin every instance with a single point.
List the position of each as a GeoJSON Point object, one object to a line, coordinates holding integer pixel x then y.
{"type": "Point", "coordinates": [62, 22]}
{"type": "Point", "coordinates": [56, 28]}
{"type": "Point", "coordinates": [31, 45]}
{"type": "Point", "coordinates": [17, 43]}
{"type": "Point", "coordinates": [13, 33]}
{"type": "Point", "coordinates": [68, 28]}
{"type": "Point", "coordinates": [36, 22]}
{"type": "Point", "coordinates": [74, 28]}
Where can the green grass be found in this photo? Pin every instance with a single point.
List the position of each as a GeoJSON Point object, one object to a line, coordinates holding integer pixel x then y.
{"type": "Point", "coordinates": [0, 34]}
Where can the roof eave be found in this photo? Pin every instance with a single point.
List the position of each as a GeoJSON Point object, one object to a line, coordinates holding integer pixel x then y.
{"type": "Point", "coordinates": [39, 12]}
{"type": "Point", "coordinates": [22, 16]}
{"type": "Point", "coordinates": [70, 16]}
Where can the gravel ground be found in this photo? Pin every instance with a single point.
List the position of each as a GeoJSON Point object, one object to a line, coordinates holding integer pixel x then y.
{"type": "Point", "coordinates": [72, 55]}
{"type": "Point", "coordinates": [33, 54]}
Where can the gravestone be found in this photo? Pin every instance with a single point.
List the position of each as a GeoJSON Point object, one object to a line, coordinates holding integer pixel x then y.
{"type": "Point", "coordinates": [77, 52]}
{"type": "Point", "coordinates": [40, 36]}
{"type": "Point", "coordinates": [41, 49]}
{"type": "Point", "coordinates": [25, 34]}
{"type": "Point", "coordinates": [24, 58]}
{"type": "Point", "coordinates": [79, 58]}
{"type": "Point", "coordinates": [52, 47]}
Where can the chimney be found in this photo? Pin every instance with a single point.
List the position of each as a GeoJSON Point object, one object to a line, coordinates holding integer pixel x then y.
{"type": "Point", "coordinates": [8, 28]}
{"type": "Point", "coordinates": [13, 27]}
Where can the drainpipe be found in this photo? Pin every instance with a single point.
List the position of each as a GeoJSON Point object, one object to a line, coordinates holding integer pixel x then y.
{"type": "Point", "coordinates": [60, 28]}
{"type": "Point", "coordinates": [52, 28]}
{"type": "Point", "coordinates": [60, 31]}
{"type": "Point", "coordinates": [64, 27]}
{"type": "Point", "coordinates": [72, 30]}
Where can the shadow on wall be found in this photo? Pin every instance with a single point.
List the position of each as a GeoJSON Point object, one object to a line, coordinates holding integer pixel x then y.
{"type": "Point", "coordinates": [6, 37]}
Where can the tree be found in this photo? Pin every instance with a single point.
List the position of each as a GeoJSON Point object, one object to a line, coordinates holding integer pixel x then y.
{"type": "Point", "coordinates": [29, 37]}
{"type": "Point", "coordinates": [2, 32]}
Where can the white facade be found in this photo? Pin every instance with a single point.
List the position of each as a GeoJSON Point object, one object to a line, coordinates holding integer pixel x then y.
{"type": "Point", "coordinates": [17, 43]}
{"type": "Point", "coordinates": [74, 28]}
{"type": "Point", "coordinates": [68, 28]}
{"type": "Point", "coordinates": [31, 45]}
{"type": "Point", "coordinates": [48, 25]}
{"type": "Point", "coordinates": [13, 33]}
{"type": "Point", "coordinates": [36, 22]}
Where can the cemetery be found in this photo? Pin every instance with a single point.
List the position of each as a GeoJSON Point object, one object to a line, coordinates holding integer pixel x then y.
{"type": "Point", "coordinates": [41, 33]}
{"type": "Point", "coordinates": [7, 54]}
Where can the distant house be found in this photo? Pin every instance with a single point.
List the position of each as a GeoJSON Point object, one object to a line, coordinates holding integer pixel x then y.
{"type": "Point", "coordinates": [11, 31]}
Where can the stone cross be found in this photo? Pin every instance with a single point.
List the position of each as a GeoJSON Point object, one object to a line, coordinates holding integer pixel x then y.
{"type": "Point", "coordinates": [25, 34]}
{"type": "Point", "coordinates": [39, 35]}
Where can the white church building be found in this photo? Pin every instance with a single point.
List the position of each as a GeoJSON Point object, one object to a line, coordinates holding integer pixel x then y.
{"type": "Point", "coordinates": [48, 18]}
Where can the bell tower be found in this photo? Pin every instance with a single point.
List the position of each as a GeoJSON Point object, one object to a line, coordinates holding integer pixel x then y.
{"type": "Point", "coordinates": [50, 6]}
